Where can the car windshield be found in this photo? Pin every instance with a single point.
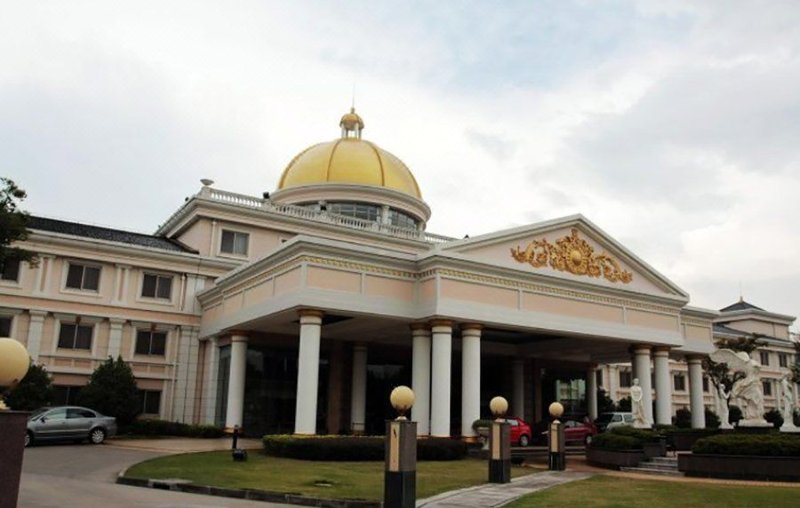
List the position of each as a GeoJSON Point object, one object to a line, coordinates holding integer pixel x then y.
{"type": "Point", "coordinates": [38, 412]}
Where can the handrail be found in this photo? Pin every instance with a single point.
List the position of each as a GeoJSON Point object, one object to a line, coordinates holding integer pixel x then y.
{"type": "Point", "coordinates": [321, 216]}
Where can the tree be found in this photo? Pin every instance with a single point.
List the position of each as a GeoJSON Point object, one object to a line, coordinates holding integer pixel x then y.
{"type": "Point", "coordinates": [112, 391]}
{"type": "Point", "coordinates": [774, 417]}
{"type": "Point", "coordinates": [604, 402]}
{"type": "Point", "coordinates": [34, 391]}
{"type": "Point", "coordinates": [683, 418]}
{"type": "Point", "coordinates": [712, 419]}
{"type": "Point", "coordinates": [13, 225]}
{"type": "Point", "coordinates": [624, 404]}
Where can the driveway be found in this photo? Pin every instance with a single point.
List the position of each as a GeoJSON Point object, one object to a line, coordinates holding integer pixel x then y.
{"type": "Point", "coordinates": [83, 475]}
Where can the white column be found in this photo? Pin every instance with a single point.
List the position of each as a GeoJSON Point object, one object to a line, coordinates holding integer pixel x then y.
{"type": "Point", "coordinates": [642, 369]}
{"type": "Point", "coordinates": [591, 392]}
{"type": "Point", "coordinates": [305, 420]}
{"type": "Point", "coordinates": [236, 376]}
{"type": "Point", "coordinates": [183, 403]}
{"type": "Point", "coordinates": [358, 395]}
{"type": "Point", "coordinates": [470, 378]}
{"type": "Point", "coordinates": [35, 329]}
{"type": "Point", "coordinates": [518, 388]}
{"type": "Point", "coordinates": [211, 369]}
{"type": "Point", "coordinates": [115, 337]}
{"type": "Point", "coordinates": [442, 335]}
{"type": "Point", "coordinates": [696, 392]}
{"type": "Point", "coordinates": [421, 378]}
{"type": "Point", "coordinates": [663, 386]}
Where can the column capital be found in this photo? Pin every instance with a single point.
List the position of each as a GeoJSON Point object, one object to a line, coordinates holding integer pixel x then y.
{"type": "Point", "coordinates": [420, 327]}
{"type": "Point", "coordinates": [661, 351]}
{"type": "Point", "coordinates": [238, 336]}
{"type": "Point", "coordinates": [310, 313]}
{"type": "Point", "coordinates": [641, 349]}
{"type": "Point", "coordinates": [38, 314]}
{"type": "Point", "coordinates": [435, 323]}
{"type": "Point", "coordinates": [694, 359]}
{"type": "Point", "coordinates": [471, 326]}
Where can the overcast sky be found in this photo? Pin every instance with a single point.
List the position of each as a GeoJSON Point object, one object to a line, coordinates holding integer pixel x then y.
{"type": "Point", "coordinates": [674, 126]}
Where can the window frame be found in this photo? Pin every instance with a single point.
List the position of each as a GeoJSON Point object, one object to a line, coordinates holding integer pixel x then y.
{"type": "Point", "coordinates": [766, 386]}
{"type": "Point", "coordinates": [233, 253]}
{"type": "Point", "coordinates": [8, 281]}
{"type": "Point", "coordinates": [764, 358]}
{"type": "Point", "coordinates": [679, 376]}
{"type": "Point", "coordinates": [151, 332]}
{"type": "Point", "coordinates": [77, 325]}
{"type": "Point", "coordinates": [783, 360]}
{"type": "Point", "coordinates": [84, 265]}
{"type": "Point", "coordinates": [10, 319]}
{"type": "Point", "coordinates": [159, 277]}
{"type": "Point", "coordinates": [629, 376]}
{"type": "Point", "coordinates": [143, 396]}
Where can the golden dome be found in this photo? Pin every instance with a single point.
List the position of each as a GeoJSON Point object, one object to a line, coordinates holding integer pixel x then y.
{"type": "Point", "coordinates": [349, 160]}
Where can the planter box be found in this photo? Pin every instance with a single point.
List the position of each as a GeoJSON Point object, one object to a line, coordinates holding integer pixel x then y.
{"type": "Point", "coordinates": [741, 467]}
{"type": "Point", "coordinates": [652, 450]}
{"type": "Point", "coordinates": [614, 459]}
{"type": "Point", "coordinates": [683, 441]}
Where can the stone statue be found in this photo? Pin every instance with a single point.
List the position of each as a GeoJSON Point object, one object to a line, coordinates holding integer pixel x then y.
{"type": "Point", "coordinates": [787, 405]}
{"type": "Point", "coordinates": [722, 407]}
{"type": "Point", "coordinates": [747, 389]}
{"type": "Point", "coordinates": [637, 406]}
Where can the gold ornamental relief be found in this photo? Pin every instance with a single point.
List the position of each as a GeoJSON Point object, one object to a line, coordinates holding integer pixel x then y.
{"type": "Point", "coordinates": [574, 255]}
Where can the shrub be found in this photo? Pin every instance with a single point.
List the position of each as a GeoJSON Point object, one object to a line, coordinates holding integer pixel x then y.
{"type": "Point", "coordinates": [712, 420]}
{"type": "Point", "coordinates": [683, 418]}
{"type": "Point", "coordinates": [615, 442]}
{"type": "Point", "coordinates": [767, 445]}
{"type": "Point", "coordinates": [644, 435]}
{"type": "Point", "coordinates": [796, 417]}
{"type": "Point", "coordinates": [166, 428]}
{"type": "Point", "coordinates": [481, 424]}
{"type": "Point", "coordinates": [34, 391]}
{"type": "Point", "coordinates": [112, 391]}
{"type": "Point", "coordinates": [774, 417]}
{"type": "Point", "coordinates": [624, 404]}
{"type": "Point", "coordinates": [350, 448]}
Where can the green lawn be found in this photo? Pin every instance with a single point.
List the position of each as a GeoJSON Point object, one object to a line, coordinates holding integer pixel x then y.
{"type": "Point", "coordinates": [624, 492]}
{"type": "Point", "coordinates": [341, 480]}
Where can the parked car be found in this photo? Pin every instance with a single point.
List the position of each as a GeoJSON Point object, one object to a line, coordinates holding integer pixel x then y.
{"type": "Point", "coordinates": [520, 431]}
{"type": "Point", "coordinates": [610, 420]}
{"type": "Point", "coordinates": [575, 432]}
{"type": "Point", "coordinates": [69, 423]}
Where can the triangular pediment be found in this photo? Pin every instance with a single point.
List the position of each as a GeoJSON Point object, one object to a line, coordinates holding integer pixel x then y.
{"type": "Point", "coordinates": [570, 248]}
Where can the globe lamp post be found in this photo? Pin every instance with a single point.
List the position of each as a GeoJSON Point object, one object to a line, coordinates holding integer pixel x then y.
{"type": "Point", "coordinates": [14, 363]}
{"type": "Point", "coordinates": [400, 473]}
{"type": "Point", "coordinates": [557, 457]}
{"type": "Point", "coordinates": [499, 442]}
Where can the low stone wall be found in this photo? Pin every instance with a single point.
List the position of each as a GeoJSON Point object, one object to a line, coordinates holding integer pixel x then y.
{"type": "Point", "coordinates": [614, 459]}
{"type": "Point", "coordinates": [742, 467]}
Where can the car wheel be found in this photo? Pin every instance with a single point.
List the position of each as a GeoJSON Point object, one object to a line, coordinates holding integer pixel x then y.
{"type": "Point", "coordinates": [587, 440]}
{"type": "Point", "coordinates": [523, 440]}
{"type": "Point", "coordinates": [28, 439]}
{"type": "Point", "coordinates": [97, 436]}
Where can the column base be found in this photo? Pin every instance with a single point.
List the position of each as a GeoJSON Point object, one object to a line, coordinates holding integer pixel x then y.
{"type": "Point", "coordinates": [399, 489]}
{"type": "Point", "coordinates": [499, 471]}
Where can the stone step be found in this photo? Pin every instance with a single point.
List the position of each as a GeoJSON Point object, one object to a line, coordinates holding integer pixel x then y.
{"type": "Point", "coordinates": [650, 470]}
{"type": "Point", "coordinates": [662, 467]}
{"type": "Point", "coordinates": [664, 460]}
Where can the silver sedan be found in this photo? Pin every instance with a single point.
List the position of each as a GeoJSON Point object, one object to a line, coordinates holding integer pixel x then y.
{"type": "Point", "coordinates": [69, 423]}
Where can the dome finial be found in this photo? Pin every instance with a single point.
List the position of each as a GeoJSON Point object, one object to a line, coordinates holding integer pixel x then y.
{"type": "Point", "coordinates": [351, 122]}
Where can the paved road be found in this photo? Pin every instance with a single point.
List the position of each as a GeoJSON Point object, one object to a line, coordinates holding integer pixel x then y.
{"type": "Point", "coordinates": [55, 476]}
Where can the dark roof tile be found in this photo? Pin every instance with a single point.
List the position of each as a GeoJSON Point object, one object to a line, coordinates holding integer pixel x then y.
{"type": "Point", "coordinates": [740, 305]}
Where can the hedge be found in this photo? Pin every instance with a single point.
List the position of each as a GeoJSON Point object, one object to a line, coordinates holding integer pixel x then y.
{"type": "Point", "coordinates": [624, 438]}
{"type": "Point", "coordinates": [165, 428]}
{"type": "Point", "coordinates": [356, 449]}
{"type": "Point", "coordinates": [765, 445]}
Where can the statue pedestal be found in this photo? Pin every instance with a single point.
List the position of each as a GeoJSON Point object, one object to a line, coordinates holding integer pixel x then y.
{"type": "Point", "coordinates": [754, 426]}
{"type": "Point", "coordinates": [790, 428]}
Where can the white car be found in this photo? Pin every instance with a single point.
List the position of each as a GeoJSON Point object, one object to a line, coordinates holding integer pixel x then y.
{"type": "Point", "coordinates": [610, 420]}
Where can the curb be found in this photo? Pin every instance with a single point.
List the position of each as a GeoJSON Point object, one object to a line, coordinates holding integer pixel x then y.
{"type": "Point", "coordinates": [249, 494]}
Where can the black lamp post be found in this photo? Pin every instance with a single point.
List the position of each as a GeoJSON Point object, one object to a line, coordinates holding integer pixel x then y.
{"type": "Point", "coordinates": [499, 443]}
{"type": "Point", "coordinates": [400, 476]}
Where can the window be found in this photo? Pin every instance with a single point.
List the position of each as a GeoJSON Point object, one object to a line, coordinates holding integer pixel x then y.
{"type": "Point", "coordinates": [679, 381]}
{"type": "Point", "coordinates": [150, 343]}
{"type": "Point", "coordinates": [357, 210]}
{"type": "Point", "coordinates": [783, 360]}
{"type": "Point", "coordinates": [767, 385]}
{"type": "Point", "coordinates": [56, 414]}
{"type": "Point", "coordinates": [150, 401]}
{"type": "Point", "coordinates": [764, 357]}
{"type": "Point", "coordinates": [157, 286]}
{"type": "Point", "coordinates": [83, 277]}
{"type": "Point", "coordinates": [705, 384]}
{"type": "Point", "coordinates": [624, 379]}
{"type": "Point", "coordinates": [599, 376]}
{"type": "Point", "coordinates": [5, 326]}
{"type": "Point", "coordinates": [402, 220]}
{"type": "Point", "coordinates": [234, 242]}
{"type": "Point", "coordinates": [76, 412]}
{"type": "Point", "coordinates": [75, 336]}
{"type": "Point", "coordinates": [10, 270]}
{"type": "Point", "coordinates": [65, 395]}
